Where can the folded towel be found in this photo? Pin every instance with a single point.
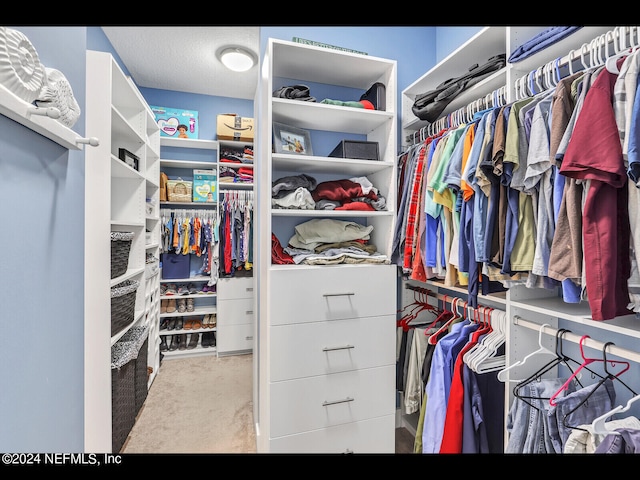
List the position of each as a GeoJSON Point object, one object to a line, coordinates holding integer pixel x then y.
{"type": "Point", "coordinates": [541, 41]}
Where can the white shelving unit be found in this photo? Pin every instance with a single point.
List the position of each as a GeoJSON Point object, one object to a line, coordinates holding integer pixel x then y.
{"type": "Point", "coordinates": [324, 358]}
{"type": "Point", "coordinates": [203, 304]}
{"type": "Point", "coordinates": [116, 201]}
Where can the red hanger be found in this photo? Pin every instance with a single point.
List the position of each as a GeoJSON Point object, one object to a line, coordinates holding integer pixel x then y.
{"type": "Point", "coordinates": [433, 338]}
{"type": "Point", "coordinates": [587, 361]}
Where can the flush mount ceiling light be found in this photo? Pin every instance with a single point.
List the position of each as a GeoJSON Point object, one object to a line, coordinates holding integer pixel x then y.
{"type": "Point", "coordinates": [237, 59]}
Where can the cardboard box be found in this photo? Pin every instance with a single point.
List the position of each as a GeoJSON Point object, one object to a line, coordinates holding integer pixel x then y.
{"type": "Point", "coordinates": [204, 186]}
{"type": "Point", "coordinates": [233, 127]}
{"type": "Point", "coordinates": [176, 123]}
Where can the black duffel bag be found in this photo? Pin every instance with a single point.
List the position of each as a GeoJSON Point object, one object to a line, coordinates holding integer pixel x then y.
{"type": "Point", "coordinates": [428, 106]}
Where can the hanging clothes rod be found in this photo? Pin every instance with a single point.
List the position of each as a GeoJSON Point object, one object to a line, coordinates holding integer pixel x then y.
{"type": "Point", "coordinates": [572, 337]}
{"type": "Point", "coordinates": [448, 298]}
{"type": "Point", "coordinates": [616, 42]}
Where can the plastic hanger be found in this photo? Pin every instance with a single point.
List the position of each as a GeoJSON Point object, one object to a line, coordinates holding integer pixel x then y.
{"type": "Point", "coordinates": [433, 338]}
{"type": "Point", "coordinates": [541, 350]}
{"type": "Point", "coordinates": [598, 426]}
{"type": "Point", "coordinates": [482, 353]}
{"type": "Point", "coordinates": [488, 360]}
{"type": "Point", "coordinates": [587, 361]}
{"type": "Point", "coordinates": [560, 358]}
{"type": "Point", "coordinates": [609, 376]}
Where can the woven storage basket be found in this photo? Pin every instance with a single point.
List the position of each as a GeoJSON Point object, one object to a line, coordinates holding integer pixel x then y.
{"type": "Point", "coordinates": [123, 404]}
{"type": "Point", "coordinates": [120, 247]}
{"type": "Point", "coordinates": [179, 190]}
{"type": "Point", "coordinates": [127, 392]}
{"type": "Point", "coordinates": [142, 376]}
{"type": "Point", "coordinates": [123, 304]}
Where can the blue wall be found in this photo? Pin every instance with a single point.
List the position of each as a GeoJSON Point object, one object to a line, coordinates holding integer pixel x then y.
{"type": "Point", "coordinates": [42, 270]}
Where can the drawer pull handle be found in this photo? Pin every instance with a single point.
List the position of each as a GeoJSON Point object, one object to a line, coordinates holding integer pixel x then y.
{"type": "Point", "coordinates": [337, 294]}
{"type": "Point", "coordinates": [249, 338]}
{"type": "Point", "coordinates": [249, 312]}
{"type": "Point", "coordinates": [331, 349]}
{"type": "Point", "coordinates": [326, 404]}
{"type": "Point", "coordinates": [249, 289]}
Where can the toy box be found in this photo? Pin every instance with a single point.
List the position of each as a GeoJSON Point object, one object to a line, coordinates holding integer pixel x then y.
{"type": "Point", "coordinates": [204, 185]}
{"type": "Point", "coordinates": [233, 127]}
{"type": "Point", "coordinates": [176, 123]}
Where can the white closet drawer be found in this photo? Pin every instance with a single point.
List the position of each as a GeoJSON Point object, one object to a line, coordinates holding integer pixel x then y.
{"type": "Point", "coordinates": [332, 293]}
{"type": "Point", "coordinates": [376, 435]}
{"type": "Point", "coordinates": [236, 287]}
{"type": "Point", "coordinates": [327, 400]}
{"type": "Point", "coordinates": [235, 338]}
{"type": "Point", "coordinates": [319, 348]}
{"type": "Point", "coordinates": [235, 312]}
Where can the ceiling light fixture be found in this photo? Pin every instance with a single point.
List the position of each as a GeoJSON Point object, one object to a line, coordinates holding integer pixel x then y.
{"type": "Point", "coordinates": [237, 59]}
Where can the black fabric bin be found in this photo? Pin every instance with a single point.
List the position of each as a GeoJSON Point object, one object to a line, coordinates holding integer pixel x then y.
{"type": "Point", "coordinates": [129, 383]}
{"type": "Point", "coordinates": [357, 149]}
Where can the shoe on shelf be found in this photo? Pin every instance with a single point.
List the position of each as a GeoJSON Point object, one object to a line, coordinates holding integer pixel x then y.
{"type": "Point", "coordinates": [188, 324]}
{"type": "Point", "coordinates": [182, 305]}
{"type": "Point", "coordinates": [193, 341]}
{"type": "Point", "coordinates": [209, 289]}
{"type": "Point", "coordinates": [182, 341]}
{"type": "Point", "coordinates": [171, 289]}
{"type": "Point", "coordinates": [163, 344]}
{"type": "Point", "coordinates": [196, 324]}
{"type": "Point", "coordinates": [205, 340]}
{"type": "Point", "coordinates": [190, 305]}
{"type": "Point", "coordinates": [182, 289]}
{"type": "Point", "coordinates": [163, 289]}
{"type": "Point", "coordinates": [171, 323]}
{"type": "Point", "coordinates": [179, 323]}
{"type": "Point", "coordinates": [192, 289]}
{"type": "Point", "coordinates": [174, 343]}
{"type": "Point", "coordinates": [171, 305]}
{"type": "Point", "coordinates": [213, 320]}
{"type": "Point", "coordinates": [205, 321]}
{"type": "Point", "coordinates": [163, 306]}
{"type": "Point", "coordinates": [213, 341]}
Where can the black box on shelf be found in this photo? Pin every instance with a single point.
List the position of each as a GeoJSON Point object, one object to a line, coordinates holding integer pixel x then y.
{"type": "Point", "coordinates": [357, 149]}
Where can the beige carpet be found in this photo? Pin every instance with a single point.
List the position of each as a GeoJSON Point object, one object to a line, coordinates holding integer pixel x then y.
{"type": "Point", "coordinates": [197, 405]}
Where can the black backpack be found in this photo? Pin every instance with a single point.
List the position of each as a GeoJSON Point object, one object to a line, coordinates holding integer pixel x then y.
{"type": "Point", "coordinates": [428, 106]}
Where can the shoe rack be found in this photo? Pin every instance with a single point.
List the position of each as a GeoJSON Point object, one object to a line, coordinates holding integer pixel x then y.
{"type": "Point", "coordinates": [188, 317]}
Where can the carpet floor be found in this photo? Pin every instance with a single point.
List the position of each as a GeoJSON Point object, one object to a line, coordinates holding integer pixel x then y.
{"type": "Point", "coordinates": [201, 404]}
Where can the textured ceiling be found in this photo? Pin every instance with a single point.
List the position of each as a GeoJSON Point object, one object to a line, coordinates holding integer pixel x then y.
{"type": "Point", "coordinates": [183, 58]}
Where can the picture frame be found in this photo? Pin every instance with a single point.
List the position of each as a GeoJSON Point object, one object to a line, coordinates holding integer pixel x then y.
{"type": "Point", "coordinates": [288, 139]}
{"type": "Point", "coordinates": [129, 158]}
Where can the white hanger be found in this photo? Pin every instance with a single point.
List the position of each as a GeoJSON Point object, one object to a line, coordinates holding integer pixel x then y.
{"type": "Point", "coordinates": [483, 359]}
{"type": "Point", "coordinates": [584, 49]}
{"type": "Point", "coordinates": [598, 425]}
{"type": "Point", "coordinates": [541, 350]}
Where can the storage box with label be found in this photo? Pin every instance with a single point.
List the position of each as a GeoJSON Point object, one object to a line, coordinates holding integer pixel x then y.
{"type": "Point", "coordinates": [234, 127]}
{"type": "Point", "coordinates": [204, 185]}
{"type": "Point", "coordinates": [176, 123]}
